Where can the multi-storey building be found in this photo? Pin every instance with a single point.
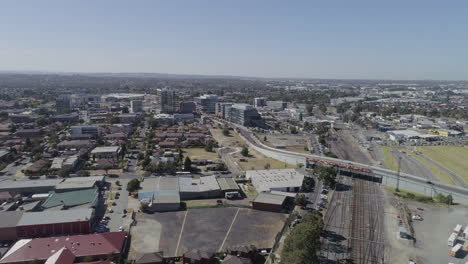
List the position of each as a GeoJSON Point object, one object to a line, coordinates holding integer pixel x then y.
{"type": "Point", "coordinates": [244, 114]}
{"type": "Point", "coordinates": [207, 103]}
{"type": "Point", "coordinates": [167, 101]}
{"type": "Point", "coordinates": [136, 106]}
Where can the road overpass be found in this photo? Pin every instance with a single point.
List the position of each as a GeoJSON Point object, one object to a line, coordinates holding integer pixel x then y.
{"type": "Point", "coordinates": [389, 178]}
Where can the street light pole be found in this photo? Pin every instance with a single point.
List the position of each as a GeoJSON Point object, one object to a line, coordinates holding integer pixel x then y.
{"type": "Point", "coordinates": [398, 175]}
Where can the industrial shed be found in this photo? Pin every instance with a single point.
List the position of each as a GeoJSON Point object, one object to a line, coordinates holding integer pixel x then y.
{"type": "Point", "coordinates": [269, 202]}
{"type": "Point", "coordinates": [79, 183]}
{"type": "Point", "coordinates": [29, 186]}
{"type": "Point", "coordinates": [161, 194]}
{"type": "Point", "coordinates": [196, 187]}
{"type": "Point", "coordinates": [285, 180]}
{"type": "Point", "coordinates": [227, 184]}
{"type": "Point", "coordinates": [50, 223]}
{"type": "Point", "coordinates": [65, 200]}
{"type": "Point", "coordinates": [9, 220]}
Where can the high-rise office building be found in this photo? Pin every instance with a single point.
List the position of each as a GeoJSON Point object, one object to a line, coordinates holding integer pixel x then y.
{"type": "Point", "coordinates": [259, 102]}
{"type": "Point", "coordinates": [136, 106]}
{"type": "Point", "coordinates": [207, 103]}
{"type": "Point", "coordinates": [63, 104]}
{"type": "Point", "coordinates": [167, 101]}
{"type": "Point", "coordinates": [244, 114]}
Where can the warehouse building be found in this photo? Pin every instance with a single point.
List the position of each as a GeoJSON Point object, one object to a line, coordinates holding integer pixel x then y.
{"type": "Point", "coordinates": [160, 193]}
{"type": "Point", "coordinates": [285, 180]}
{"type": "Point", "coordinates": [80, 183]}
{"type": "Point", "coordinates": [50, 223]}
{"type": "Point", "coordinates": [8, 223]}
{"type": "Point", "coordinates": [29, 186]}
{"type": "Point", "coordinates": [81, 248]}
{"type": "Point", "coordinates": [227, 184]}
{"type": "Point", "coordinates": [269, 202]}
{"type": "Point", "coordinates": [86, 198]}
{"type": "Point", "coordinates": [196, 187]}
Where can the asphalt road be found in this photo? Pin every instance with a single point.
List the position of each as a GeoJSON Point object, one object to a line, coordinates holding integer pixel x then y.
{"type": "Point", "coordinates": [121, 203]}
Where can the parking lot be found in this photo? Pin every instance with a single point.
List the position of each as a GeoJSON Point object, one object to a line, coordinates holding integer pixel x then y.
{"type": "Point", "coordinates": [431, 235]}
{"type": "Point", "coordinates": [209, 229]}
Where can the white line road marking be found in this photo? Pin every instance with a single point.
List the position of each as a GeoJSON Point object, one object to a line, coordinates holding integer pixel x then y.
{"type": "Point", "coordinates": [181, 231]}
{"type": "Point", "coordinates": [229, 230]}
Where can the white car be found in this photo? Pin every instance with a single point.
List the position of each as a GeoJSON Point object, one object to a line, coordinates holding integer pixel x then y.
{"type": "Point", "coordinates": [121, 228]}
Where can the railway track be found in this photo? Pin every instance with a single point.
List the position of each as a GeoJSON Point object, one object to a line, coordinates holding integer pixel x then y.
{"type": "Point", "coordinates": [366, 238]}
{"type": "Point", "coordinates": [335, 243]}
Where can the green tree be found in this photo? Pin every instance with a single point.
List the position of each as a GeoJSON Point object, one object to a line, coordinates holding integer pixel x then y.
{"type": "Point", "coordinates": [114, 120]}
{"type": "Point", "coordinates": [125, 110]}
{"type": "Point", "coordinates": [226, 131]}
{"type": "Point", "coordinates": [323, 108]}
{"type": "Point", "coordinates": [327, 175]}
{"type": "Point", "coordinates": [83, 173]}
{"type": "Point", "coordinates": [302, 245]}
{"type": "Point", "coordinates": [187, 164]}
{"type": "Point", "coordinates": [133, 185]}
{"type": "Point", "coordinates": [245, 152]}
{"type": "Point", "coordinates": [300, 200]}
{"type": "Point", "coordinates": [64, 172]}
{"type": "Point", "coordinates": [209, 147]}
{"type": "Point", "coordinates": [144, 207]}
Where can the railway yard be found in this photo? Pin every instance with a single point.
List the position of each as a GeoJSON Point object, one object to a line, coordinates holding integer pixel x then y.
{"type": "Point", "coordinates": [354, 230]}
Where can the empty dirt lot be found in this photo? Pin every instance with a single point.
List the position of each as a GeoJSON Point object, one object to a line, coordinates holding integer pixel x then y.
{"type": "Point", "coordinates": [208, 229]}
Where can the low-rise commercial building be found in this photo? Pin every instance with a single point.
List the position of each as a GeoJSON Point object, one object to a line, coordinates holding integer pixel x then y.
{"type": "Point", "coordinates": [108, 152]}
{"type": "Point", "coordinates": [85, 132]}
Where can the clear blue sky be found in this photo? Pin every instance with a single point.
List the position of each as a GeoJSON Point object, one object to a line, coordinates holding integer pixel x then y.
{"type": "Point", "coordinates": [397, 39]}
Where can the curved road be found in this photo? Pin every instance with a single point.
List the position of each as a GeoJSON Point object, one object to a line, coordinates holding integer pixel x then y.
{"type": "Point", "coordinates": [389, 178]}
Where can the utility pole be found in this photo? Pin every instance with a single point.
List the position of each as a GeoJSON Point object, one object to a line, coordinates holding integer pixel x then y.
{"type": "Point", "coordinates": [398, 175]}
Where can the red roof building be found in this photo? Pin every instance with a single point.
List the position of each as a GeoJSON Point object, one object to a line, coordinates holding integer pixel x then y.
{"type": "Point", "coordinates": [95, 246]}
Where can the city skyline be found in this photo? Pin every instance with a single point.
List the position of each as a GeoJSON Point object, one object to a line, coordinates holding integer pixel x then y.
{"type": "Point", "coordinates": [421, 40]}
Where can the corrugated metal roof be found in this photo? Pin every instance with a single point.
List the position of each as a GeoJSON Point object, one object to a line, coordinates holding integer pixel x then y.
{"type": "Point", "coordinates": [10, 218]}
{"type": "Point", "coordinates": [54, 217]}
{"type": "Point", "coordinates": [81, 246]}
{"type": "Point", "coordinates": [198, 184]}
{"type": "Point", "coordinates": [72, 198]}
{"type": "Point", "coordinates": [269, 198]}
{"type": "Point", "coordinates": [227, 184]}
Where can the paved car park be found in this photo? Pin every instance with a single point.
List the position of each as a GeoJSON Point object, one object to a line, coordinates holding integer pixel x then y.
{"type": "Point", "coordinates": [209, 229]}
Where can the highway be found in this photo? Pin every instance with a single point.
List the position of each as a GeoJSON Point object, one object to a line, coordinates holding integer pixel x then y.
{"type": "Point", "coordinates": [389, 178]}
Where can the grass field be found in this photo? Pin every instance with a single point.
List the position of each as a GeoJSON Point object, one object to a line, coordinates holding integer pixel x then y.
{"type": "Point", "coordinates": [452, 157]}
{"type": "Point", "coordinates": [257, 161]}
{"type": "Point", "coordinates": [443, 177]}
{"type": "Point", "coordinates": [389, 160]}
{"type": "Point", "coordinates": [233, 140]}
{"type": "Point", "coordinates": [199, 153]}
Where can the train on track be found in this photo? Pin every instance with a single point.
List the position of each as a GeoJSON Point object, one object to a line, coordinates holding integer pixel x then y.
{"type": "Point", "coordinates": [311, 162]}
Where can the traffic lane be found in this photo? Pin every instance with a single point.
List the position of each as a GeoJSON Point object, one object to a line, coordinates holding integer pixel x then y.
{"type": "Point", "coordinates": [121, 203]}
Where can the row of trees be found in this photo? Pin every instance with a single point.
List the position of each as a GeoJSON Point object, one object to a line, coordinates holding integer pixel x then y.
{"type": "Point", "coordinates": [302, 245]}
